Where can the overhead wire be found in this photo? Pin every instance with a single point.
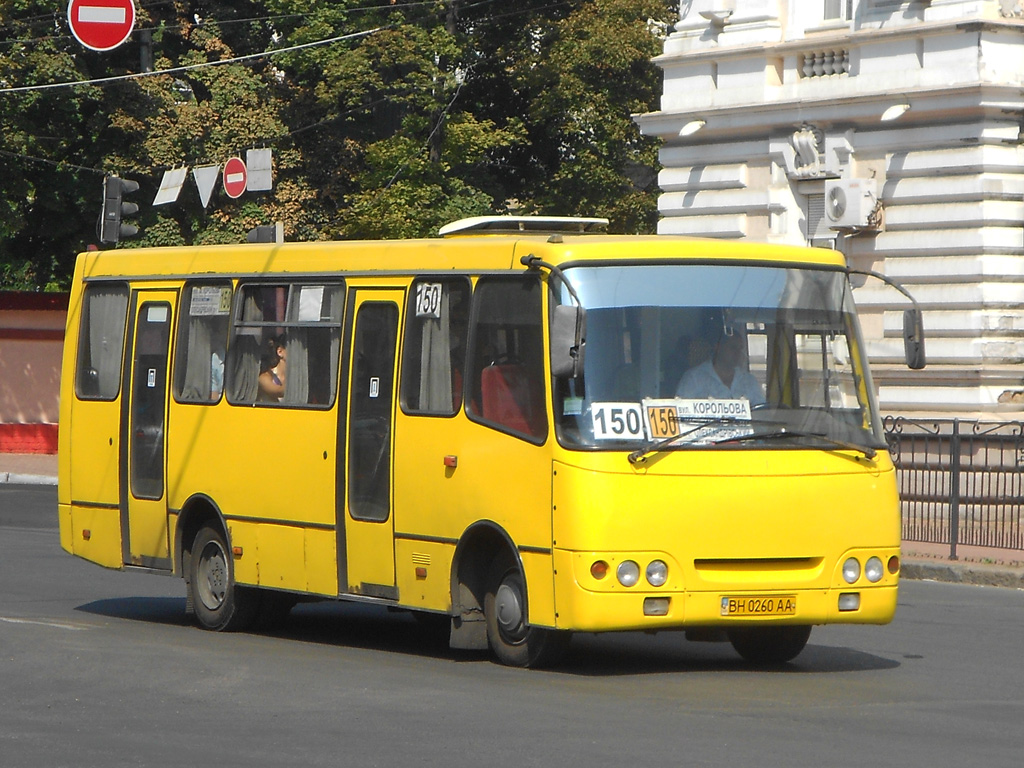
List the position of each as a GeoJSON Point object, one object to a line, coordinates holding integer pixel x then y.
{"type": "Point", "coordinates": [188, 67]}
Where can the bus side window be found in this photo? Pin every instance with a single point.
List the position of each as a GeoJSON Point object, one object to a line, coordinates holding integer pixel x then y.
{"type": "Point", "coordinates": [435, 346]}
{"type": "Point", "coordinates": [101, 342]}
{"type": "Point", "coordinates": [202, 343]}
{"type": "Point", "coordinates": [506, 369]}
{"type": "Point", "coordinates": [304, 320]}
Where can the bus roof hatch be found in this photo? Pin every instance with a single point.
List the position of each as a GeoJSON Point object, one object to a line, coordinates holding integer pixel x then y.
{"type": "Point", "coordinates": [540, 225]}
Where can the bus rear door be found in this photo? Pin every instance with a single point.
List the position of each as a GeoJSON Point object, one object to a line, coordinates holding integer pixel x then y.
{"type": "Point", "coordinates": [368, 567]}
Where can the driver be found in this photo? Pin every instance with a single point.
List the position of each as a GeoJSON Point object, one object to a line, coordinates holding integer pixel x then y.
{"type": "Point", "coordinates": [724, 376]}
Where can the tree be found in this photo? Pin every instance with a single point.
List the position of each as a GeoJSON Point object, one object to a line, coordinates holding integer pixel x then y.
{"type": "Point", "coordinates": [396, 118]}
{"type": "Point", "coordinates": [45, 150]}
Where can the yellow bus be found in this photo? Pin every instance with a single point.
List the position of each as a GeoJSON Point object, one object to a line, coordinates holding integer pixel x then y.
{"type": "Point", "coordinates": [524, 427]}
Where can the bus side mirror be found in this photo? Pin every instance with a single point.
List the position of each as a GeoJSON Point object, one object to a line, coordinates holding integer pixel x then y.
{"type": "Point", "coordinates": [568, 328]}
{"type": "Point", "coordinates": [913, 338]}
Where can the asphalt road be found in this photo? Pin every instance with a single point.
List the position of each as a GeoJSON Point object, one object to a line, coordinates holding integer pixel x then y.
{"type": "Point", "coordinates": [100, 668]}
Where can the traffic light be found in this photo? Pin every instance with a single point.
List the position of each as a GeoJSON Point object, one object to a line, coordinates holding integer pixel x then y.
{"type": "Point", "coordinates": [112, 226]}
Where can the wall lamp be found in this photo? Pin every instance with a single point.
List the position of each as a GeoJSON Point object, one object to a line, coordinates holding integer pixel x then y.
{"type": "Point", "coordinates": [692, 127]}
{"type": "Point", "coordinates": [718, 18]}
{"type": "Point", "coordinates": [894, 112]}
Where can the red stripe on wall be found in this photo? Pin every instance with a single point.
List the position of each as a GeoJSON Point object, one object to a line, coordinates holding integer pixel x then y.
{"type": "Point", "coordinates": [28, 438]}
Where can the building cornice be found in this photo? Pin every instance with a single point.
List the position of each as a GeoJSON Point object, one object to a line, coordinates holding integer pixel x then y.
{"type": "Point", "coordinates": [841, 38]}
{"type": "Point", "coordinates": [958, 100]}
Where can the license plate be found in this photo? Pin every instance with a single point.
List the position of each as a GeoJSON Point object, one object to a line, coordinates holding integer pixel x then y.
{"type": "Point", "coordinates": [759, 605]}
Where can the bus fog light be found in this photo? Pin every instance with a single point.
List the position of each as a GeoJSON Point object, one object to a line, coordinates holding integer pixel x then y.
{"type": "Point", "coordinates": [874, 570]}
{"type": "Point", "coordinates": [628, 573]}
{"type": "Point", "coordinates": [599, 569]}
{"type": "Point", "coordinates": [849, 601]}
{"type": "Point", "coordinates": [851, 570]}
{"type": "Point", "coordinates": [656, 606]}
{"type": "Point", "coordinates": [657, 573]}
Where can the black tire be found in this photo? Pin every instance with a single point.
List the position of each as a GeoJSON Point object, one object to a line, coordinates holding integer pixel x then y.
{"type": "Point", "coordinates": [514, 642]}
{"type": "Point", "coordinates": [769, 645]}
{"type": "Point", "coordinates": [220, 605]}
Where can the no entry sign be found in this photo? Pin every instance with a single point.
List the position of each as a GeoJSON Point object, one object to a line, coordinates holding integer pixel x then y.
{"type": "Point", "coordinates": [101, 24]}
{"type": "Point", "coordinates": [235, 177]}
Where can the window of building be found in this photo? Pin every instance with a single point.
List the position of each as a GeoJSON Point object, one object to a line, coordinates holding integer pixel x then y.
{"type": "Point", "coordinates": [838, 9]}
{"type": "Point", "coordinates": [101, 341]}
{"type": "Point", "coordinates": [285, 344]}
{"type": "Point", "coordinates": [506, 366]}
{"type": "Point", "coordinates": [435, 346]}
{"type": "Point", "coordinates": [202, 342]}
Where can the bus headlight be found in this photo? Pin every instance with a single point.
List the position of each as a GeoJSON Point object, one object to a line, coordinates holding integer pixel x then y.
{"type": "Point", "coordinates": [873, 569]}
{"type": "Point", "coordinates": [628, 573]}
{"type": "Point", "coordinates": [851, 570]}
{"type": "Point", "coordinates": [657, 573]}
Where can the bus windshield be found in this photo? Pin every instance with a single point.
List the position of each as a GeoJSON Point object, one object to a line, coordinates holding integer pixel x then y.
{"type": "Point", "coordinates": [717, 357]}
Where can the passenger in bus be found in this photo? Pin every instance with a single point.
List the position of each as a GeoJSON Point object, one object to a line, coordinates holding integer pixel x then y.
{"type": "Point", "coordinates": [273, 368]}
{"type": "Point", "coordinates": [724, 376]}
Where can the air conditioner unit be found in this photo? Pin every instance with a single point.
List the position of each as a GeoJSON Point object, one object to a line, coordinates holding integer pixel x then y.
{"type": "Point", "coordinates": [849, 203]}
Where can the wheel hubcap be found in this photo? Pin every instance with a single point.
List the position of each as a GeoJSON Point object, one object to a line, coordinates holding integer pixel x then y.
{"type": "Point", "coordinates": [508, 608]}
{"type": "Point", "coordinates": [213, 576]}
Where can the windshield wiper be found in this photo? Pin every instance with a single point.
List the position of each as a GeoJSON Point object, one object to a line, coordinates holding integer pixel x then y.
{"type": "Point", "coordinates": [640, 455]}
{"type": "Point", "coordinates": [867, 450]}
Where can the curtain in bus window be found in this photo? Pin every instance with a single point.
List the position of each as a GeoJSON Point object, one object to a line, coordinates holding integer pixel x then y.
{"type": "Point", "coordinates": [435, 350]}
{"type": "Point", "coordinates": [102, 345]}
{"type": "Point", "coordinates": [335, 307]}
{"type": "Point", "coordinates": [198, 364]}
{"type": "Point", "coordinates": [296, 387]}
{"type": "Point", "coordinates": [202, 333]}
{"type": "Point", "coordinates": [244, 355]}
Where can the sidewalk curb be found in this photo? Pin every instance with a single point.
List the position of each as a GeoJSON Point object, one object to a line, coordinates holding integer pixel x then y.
{"type": "Point", "coordinates": [963, 573]}
{"type": "Point", "coordinates": [16, 478]}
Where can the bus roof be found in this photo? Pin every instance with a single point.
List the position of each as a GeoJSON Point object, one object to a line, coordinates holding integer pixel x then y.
{"type": "Point", "coordinates": [465, 253]}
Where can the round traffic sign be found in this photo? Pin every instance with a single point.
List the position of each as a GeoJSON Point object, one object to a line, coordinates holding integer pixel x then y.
{"type": "Point", "coordinates": [101, 24]}
{"type": "Point", "coordinates": [235, 177]}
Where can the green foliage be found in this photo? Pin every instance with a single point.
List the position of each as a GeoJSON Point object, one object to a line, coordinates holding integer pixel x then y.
{"type": "Point", "coordinates": [448, 109]}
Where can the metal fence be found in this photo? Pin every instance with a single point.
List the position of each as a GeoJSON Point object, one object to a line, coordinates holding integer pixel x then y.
{"type": "Point", "coordinates": [961, 482]}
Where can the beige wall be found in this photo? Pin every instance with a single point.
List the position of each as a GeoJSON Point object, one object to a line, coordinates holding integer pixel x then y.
{"type": "Point", "coordinates": [31, 344]}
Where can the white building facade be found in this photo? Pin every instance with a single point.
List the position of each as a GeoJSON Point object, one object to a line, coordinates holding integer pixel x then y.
{"type": "Point", "coordinates": [891, 130]}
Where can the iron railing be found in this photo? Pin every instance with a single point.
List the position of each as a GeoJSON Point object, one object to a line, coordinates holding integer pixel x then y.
{"type": "Point", "coordinates": [961, 482]}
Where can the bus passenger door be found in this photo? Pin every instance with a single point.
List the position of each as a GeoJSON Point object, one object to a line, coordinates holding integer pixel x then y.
{"type": "Point", "coordinates": [368, 566]}
{"type": "Point", "coordinates": [144, 529]}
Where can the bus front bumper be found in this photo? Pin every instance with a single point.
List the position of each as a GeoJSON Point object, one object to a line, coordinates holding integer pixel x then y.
{"type": "Point", "coordinates": [645, 608]}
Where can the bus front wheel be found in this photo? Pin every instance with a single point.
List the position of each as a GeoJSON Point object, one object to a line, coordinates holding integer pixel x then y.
{"type": "Point", "coordinates": [511, 638]}
{"type": "Point", "coordinates": [219, 603]}
{"type": "Point", "coordinates": [769, 645]}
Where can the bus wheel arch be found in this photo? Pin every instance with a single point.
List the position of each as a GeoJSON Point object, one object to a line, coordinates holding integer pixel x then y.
{"type": "Point", "coordinates": [478, 548]}
{"type": "Point", "coordinates": [491, 602]}
{"type": "Point", "coordinates": [203, 551]}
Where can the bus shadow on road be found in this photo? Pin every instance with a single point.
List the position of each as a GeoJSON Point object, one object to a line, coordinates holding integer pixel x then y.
{"type": "Point", "coordinates": [365, 627]}
{"type": "Point", "coordinates": [327, 623]}
{"type": "Point", "coordinates": [636, 653]}
{"type": "Point", "coordinates": [152, 610]}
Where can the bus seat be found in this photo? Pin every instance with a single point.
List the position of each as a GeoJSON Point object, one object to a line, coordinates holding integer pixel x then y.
{"type": "Point", "coordinates": [511, 399]}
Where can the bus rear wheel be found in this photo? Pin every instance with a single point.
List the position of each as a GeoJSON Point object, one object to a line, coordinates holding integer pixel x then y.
{"type": "Point", "coordinates": [511, 638]}
{"type": "Point", "coordinates": [219, 603]}
{"type": "Point", "coordinates": [769, 645]}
